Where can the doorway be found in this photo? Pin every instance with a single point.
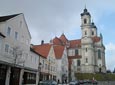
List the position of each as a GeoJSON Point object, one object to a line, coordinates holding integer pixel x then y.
{"type": "Point", "coordinates": [14, 76]}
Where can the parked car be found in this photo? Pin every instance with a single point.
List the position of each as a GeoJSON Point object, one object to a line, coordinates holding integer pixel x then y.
{"type": "Point", "coordinates": [75, 82]}
{"type": "Point", "coordinates": [81, 82]}
{"type": "Point", "coordinates": [48, 82]}
{"type": "Point", "coordinates": [94, 82]}
{"type": "Point", "coordinates": [87, 81]}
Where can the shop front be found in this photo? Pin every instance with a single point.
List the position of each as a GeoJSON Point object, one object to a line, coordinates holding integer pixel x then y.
{"type": "Point", "coordinates": [15, 76]}
{"type": "Point", "coordinates": [3, 70]}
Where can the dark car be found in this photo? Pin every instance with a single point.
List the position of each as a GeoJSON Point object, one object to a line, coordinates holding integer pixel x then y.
{"type": "Point", "coordinates": [87, 81]}
{"type": "Point", "coordinates": [75, 82]}
{"type": "Point", "coordinates": [48, 82]}
{"type": "Point", "coordinates": [81, 82]}
{"type": "Point", "coordinates": [94, 82]}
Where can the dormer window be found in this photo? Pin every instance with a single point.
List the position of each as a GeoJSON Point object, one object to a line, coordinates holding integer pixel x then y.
{"type": "Point", "coordinates": [85, 21]}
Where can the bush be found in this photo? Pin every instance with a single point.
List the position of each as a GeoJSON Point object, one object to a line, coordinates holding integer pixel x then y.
{"type": "Point", "coordinates": [97, 76]}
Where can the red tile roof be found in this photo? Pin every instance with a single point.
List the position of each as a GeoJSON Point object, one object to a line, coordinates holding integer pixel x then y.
{"type": "Point", "coordinates": [96, 39]}
{"type": "Point", "coordinates": [72, 43]}
{"type": "Point", "coordinates": [75, 43]}
{"type": "Point", "coordinates": [57, 41]}
{"type": "Point", "coordinates": [42, 49]}
{"type": "Point", "coordinates": [63, 38]}
{"type": "Point", "coordinates": [58, 51]}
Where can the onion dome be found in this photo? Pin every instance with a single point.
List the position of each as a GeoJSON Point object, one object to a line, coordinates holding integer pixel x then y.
{"type": "Point", "coordinates": [85, 12]}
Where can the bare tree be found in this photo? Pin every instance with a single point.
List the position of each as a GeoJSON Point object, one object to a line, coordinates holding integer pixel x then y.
{"type": "Point", "coordinates": [18, 55]}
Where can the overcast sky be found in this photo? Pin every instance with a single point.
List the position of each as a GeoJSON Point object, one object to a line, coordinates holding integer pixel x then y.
{"type": "Point", "coordinates": [49, 18]}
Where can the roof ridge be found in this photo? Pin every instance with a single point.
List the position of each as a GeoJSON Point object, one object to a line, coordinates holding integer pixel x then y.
{"type": "Point", "coordinates": [7, 17]}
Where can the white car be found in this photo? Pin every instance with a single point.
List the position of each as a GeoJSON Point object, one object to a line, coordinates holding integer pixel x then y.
{"type": "Point", "coordinates": [75, 82]}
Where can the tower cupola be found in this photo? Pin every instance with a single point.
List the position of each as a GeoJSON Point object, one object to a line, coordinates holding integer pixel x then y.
{"type": "Point", "coordinates": [85, 18]}
{"type": "Point", "coordinates": [85, 12]}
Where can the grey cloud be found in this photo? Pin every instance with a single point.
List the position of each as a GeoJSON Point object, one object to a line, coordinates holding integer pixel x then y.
{"type": "Point", "coordinates": [47, 18]}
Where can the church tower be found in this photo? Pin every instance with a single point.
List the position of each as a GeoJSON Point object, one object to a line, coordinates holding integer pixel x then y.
{"type": "Point", "coordinates": [87, 61]}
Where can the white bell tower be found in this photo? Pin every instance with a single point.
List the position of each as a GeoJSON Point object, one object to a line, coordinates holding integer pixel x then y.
{"type": "Point", "coordinates": [87, 61]}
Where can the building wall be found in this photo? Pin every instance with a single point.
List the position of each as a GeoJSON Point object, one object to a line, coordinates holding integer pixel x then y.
{"type": "Point", "coordinates": [62, 67]}
{"type": "Point", "coordinates": [52, 62]}
{"type": "Point", "coordinates": [22, 43]}
{"type": "Point", "coordinates": [32, 60]}
{"type": "Point", "coordinates": [18, 53]}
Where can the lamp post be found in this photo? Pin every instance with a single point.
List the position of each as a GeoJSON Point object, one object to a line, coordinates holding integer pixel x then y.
{"type": "Point", "coordinates": [49, 69]}
{"type": "Point", "coordinates": [39, 70]}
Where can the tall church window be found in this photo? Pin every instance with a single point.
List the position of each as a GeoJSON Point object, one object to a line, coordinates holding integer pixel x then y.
{"type": "Point", "coordinates": [86, 60]}
{"type": "Point", "coordinates": [78, 62]}
{"type": "Point", "coordinates": [99, 53]}
{"type": "Point", "coordinates": [92, 32]}
{"type": "Point", "coordinates": [85, 21]}
{"type": "Point", "coordinates": [76, 51]}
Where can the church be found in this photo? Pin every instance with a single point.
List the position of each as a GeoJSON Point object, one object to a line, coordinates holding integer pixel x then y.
{"type": "Point", "coordinates": [88, 52]}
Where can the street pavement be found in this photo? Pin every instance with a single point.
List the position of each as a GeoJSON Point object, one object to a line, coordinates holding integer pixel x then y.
{"type": "Point", "coordinates": [63, 84]}
{"type": "Point", "coordinates": [99, 83]}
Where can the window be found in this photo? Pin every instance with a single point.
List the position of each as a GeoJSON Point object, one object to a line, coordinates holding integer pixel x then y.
{"type": "Point", "coordinates": [92, 32]}
{"type": "Point", "coordinates": [16, 35]}
{"type": "Point", "coordinates": [85, 21]}
{"type": "Point", "coordinates": [85, 32]}
{"type": "Point", "coordinates": [86, 49]}
{"type": "Point", "coordinates": [6, 48]}
{"type": "Point", "coordinates": [8, 31]}
{"type": "Point", "coordinates": [86, 60]}
{"type": "Point", "coordinates": [43, 63]}
{"type": "Point", "coordinates": [99, 54]}
{"type": "Point", "coordinates": [76, 51]}
{"type": "Point", "coordinates": [78, 62]}
{"type": "Point", "coordinates": [45, 66]}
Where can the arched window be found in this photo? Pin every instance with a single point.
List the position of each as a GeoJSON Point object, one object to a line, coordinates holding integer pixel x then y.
{"type": "Point", "coordinates": [85, 32]}
{"type": "Point", "coordinates": [99, 53]}
{"type": "Point", "coordinates": [85, 21]}
{"type": "Point", "coordinates": [78, 62]}
{"type": "Point", "coordinates": [86, 60]}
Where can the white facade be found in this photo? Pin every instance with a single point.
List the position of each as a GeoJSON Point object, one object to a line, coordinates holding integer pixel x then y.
{"type": "Point", "coordinates": [62, 67]}
{"type": "Point", "coordinates": [15, 48]}
{"type": "Point", "coordinates": [52, 63]}
{"type": "Point", "coordinates": [92, 60]}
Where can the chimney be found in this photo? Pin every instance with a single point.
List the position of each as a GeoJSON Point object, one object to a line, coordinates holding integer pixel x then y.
{"type": "Point", "coordinates": [42, 42]}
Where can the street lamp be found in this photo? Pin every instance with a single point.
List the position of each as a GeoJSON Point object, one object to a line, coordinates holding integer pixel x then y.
{"type": "Point", "coordinates": [39, 70]}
